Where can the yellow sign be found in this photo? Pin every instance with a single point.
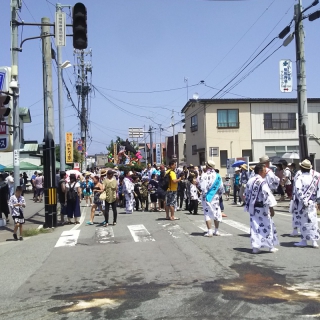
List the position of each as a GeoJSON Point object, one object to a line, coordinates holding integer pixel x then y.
{"type": "Point", "coordinates": [69, 147]}
{"type": "Point", "coordinates": [52, 195]}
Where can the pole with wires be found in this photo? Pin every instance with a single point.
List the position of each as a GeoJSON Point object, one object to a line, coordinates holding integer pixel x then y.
{"type": "Point", "coordinates": [14, 85]}
{"type": "Point", "coordinates": [301, 83]}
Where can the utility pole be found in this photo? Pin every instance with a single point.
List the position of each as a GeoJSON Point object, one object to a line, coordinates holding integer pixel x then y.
{"type": "Point", "coordinates": [14, 85]}
{"type": "Point", "coordinates": [49, 162]}
{"type": "Point", "coordinates": [145, 146]}
{"type": "Point", "coordinates": [61, 109]}
{"type": "Point", "coordinates": [160, 144]}
{"type": "Point", "coordinates": [83, 110]}
{"type": "Point", "coordinates": [151, 146]}
{"type": "Point", "coordinates": [301, 83]}
{"type": "Point", "coordinates": [174, 156]}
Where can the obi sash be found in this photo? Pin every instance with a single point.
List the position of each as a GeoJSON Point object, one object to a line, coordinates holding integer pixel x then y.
{"type": "Point", "coordinates": [214, 188]}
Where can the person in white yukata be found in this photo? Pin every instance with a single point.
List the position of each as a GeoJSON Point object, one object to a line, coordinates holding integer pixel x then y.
{"type": "Point", "coordinates": [128, 191]}
{"type": "Point", "coordinates": [272, 180]}
{"type": "Point", "coordinates": [212, 189]}
{"type": "Point", "coordinates": [294, 204]}
{"type": "Point", "coordinates": [259, 204]}
{"type": "Point", "coordinates": [305, 203]}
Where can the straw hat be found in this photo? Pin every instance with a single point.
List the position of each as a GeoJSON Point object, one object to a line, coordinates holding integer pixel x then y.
{"type": "Point", "coordinates": [244, 167]}
{"type": "Point", "coordinates": [210, 164]}
{"type": "Point", "coordinates": [305, 164]}
{"type": "Point", "coordinates": [264, 159]}
{"type": "Point", "coordinates": [103, 172]}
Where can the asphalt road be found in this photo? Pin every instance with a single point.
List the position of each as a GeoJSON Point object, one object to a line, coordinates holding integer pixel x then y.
{"type": "Point", "coordinates": [148, 268]}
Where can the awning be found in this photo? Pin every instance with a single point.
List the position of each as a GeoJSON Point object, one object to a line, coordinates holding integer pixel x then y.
{"type": "Point", "coordinates": [24, 166]}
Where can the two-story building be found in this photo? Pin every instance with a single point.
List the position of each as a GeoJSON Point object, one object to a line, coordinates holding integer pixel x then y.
{"type": "Point", "coordinates": [219, 129]}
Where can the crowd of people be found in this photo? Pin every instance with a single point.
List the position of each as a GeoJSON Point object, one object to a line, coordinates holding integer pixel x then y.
{"type": "Point", "coordinates": [170, 189]}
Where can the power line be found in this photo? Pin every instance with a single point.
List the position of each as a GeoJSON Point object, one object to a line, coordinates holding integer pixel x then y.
{"type": "Point", "coordinates": [239, 40]}
{"type": "Point", "coordinates": [147, 92]}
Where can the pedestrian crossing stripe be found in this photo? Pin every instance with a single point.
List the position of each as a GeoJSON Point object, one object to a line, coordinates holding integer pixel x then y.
{"type": "Point", "coordinates": [139, 233]}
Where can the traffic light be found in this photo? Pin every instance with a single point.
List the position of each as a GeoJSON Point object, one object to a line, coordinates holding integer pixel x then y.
{"type": "Point", "coordinates": [4, 111]}
{"type": "Point", "coordinates": [79, 26]}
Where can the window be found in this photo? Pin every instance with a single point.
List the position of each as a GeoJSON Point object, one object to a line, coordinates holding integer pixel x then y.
{"type": "Point", "coordinates": [228, 118]}
{"type": "Point", "coordinates": [279, 151]}
{"type": "Point", "coordinates": [214, 151]}
{"type": "Point", "coordinates": [194, 123]}
{"type": "Point", "coordinates": [223, 158]}
{"type": "Point", "coordinates": [247, 153]}
{"type": "Point", "coordinates": [280, 121]}
{"type": "Point", "coordinates": [318, 117]}
{"type": "Point", "coordinates": [194, 149]}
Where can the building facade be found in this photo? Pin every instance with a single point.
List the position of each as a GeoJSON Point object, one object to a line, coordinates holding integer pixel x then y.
{"type": "Point", "coordinates": [219, 129]}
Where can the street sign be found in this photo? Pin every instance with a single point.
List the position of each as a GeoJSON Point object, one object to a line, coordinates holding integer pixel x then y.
{"type": "Point", "coordinates": [60, 29]}
{"type": "Point", "coordinates": [69, 147]}
{"type": "Point", "coordinates": [3, 128]}
{"type": "Point", "coordinates": [16, 158]}
{"type": "Point", "coordinates": [158, 153]}
{"type": "Point", "coordinates": [285, 75]}
{"type": "Point", "coordinates": [79, 142]}
{"type": "Point", "coordinates": [2, 77]}
{"type": "Point", "coordinates": [3, 143]}
{"type": "Point", "coordinates": [135, 133]}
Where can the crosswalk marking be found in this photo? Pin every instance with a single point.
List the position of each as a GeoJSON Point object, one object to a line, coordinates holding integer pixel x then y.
{"type": "Point", "coordinates": [237, 225]}
{"type": "Point", "coordinates": [68, 238]}
{"type": "Point", "coordinates": [173, 229]}
{"type": "Point", "coordinates": [140, 233]}
{"type": "Point", "coordinates": [104, 235]}
{"type": "Point", "coordinates": [202, 226]}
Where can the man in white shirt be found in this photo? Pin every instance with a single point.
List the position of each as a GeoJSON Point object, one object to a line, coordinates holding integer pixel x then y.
{"type": "Point", "coordinates": [10, 182]}
{"type": "Point", "coordinates": [287, 177]}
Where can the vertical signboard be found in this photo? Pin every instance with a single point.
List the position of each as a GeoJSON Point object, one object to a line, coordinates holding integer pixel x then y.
{"type": "Point", "coordinates": [158, 153]}
{"type": "Point", "coordinates": [60, 29]}
{"type": "Point", "coordinates": [69, 147]}
{"type": "Point", "coordinates": [285, 75]}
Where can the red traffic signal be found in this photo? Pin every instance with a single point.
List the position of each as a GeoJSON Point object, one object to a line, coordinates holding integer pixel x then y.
{"type": "Point", "coordinates": [79, 26]}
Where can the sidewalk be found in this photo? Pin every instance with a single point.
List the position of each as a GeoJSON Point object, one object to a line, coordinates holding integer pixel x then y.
{"type": "Point", "coordinates": [33, 214]}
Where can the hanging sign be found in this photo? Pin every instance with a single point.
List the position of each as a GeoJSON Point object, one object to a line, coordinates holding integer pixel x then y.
{"type": "Point", "coordinates": [69, 147]}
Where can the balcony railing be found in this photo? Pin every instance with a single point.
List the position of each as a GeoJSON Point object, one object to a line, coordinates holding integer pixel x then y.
{"type": "Point", "coordinates": [226, 125]}
{"type": "Point", "coordinates": [280, 124]}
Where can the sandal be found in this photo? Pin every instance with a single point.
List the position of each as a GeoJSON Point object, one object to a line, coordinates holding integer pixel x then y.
{"type": "Point", "coordinates": [89, 223]}
{"type": "Point", "coordinates": [106, 225]}
{"type": "Point", "coordinates": [114, 223]}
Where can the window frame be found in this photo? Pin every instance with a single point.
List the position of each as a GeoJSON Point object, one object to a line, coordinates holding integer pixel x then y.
{"type": "Point", "coordinates": [277, 124]}
{"type": "Point", "coordinates": [228, 123]}
{"type": "Point", "coordinates": [223, 165]}
{"type": "Point", "coordinates": [194, 124]}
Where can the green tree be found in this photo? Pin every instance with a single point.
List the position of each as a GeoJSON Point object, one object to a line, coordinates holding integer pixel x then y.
{"type": "Point", "coordinates": [76, 154]}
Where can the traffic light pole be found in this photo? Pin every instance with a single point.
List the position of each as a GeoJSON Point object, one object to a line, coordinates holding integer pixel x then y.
{"type": "Point", "coordinates": [49, 162]}
{"type": "Point", "coordinates": [83, 119]}
{"type": "Point", "coordinates": [15, 90]}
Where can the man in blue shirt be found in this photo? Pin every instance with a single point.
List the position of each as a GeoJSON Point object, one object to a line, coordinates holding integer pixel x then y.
{"type": "Point", "coordinates": [236, 186]}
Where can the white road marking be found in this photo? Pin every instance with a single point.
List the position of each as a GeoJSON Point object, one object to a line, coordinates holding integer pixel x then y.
{"type": "Point", "coordinates": [104, 235]}
{"type": "Point", "coordinates": [201, 226]}
{"type": "Point", "coordinates": [237, 225]}
{"type": "Point", "coordinates": [174, 230]}
{"type": "Point", "coordinates": [83, 216]}
{"type": "Point", "coordinates": [140, 233]}
{"type": "Point", "coordinates": [68, 238]}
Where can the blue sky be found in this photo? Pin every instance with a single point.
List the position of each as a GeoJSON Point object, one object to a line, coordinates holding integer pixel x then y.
{"type": "Point", "coordinates": [152, 45]}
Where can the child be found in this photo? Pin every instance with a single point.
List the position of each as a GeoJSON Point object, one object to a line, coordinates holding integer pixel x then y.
{"type": "Point", "coordinates": [137, 195]}
{"type": "Point", "coordinates": [16, 204]}
{"type": "Point", "coordinates": [144, 194]}
{"type": "Point", "coordinates": [227, 187]}
{"type": "Point", "coordinates": [194, 197]}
